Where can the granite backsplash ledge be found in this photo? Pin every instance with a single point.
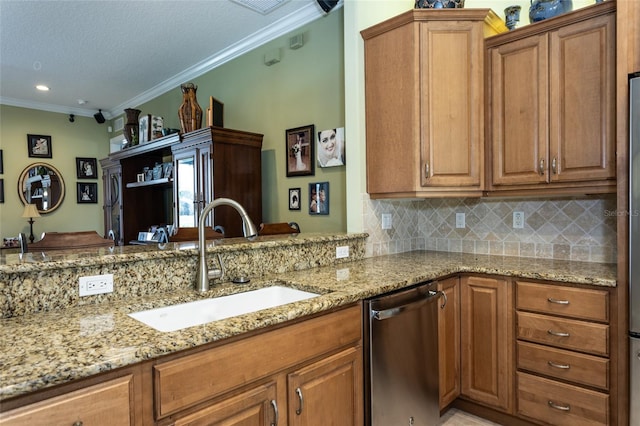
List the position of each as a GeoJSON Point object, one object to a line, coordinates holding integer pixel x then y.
{"type": "Point", "coordinates": [37, 282]}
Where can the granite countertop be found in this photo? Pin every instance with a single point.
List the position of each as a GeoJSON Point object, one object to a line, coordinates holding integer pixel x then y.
{"type": "Point", "coordinates": [50, 348]}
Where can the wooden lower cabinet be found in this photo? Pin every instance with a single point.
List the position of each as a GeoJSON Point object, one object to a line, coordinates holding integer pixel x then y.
{"type": "Point", "coordinates": [487, 341]}
{"type": "Point", "coordinates": [327, 392]}
{"type": "Point", "coordinates": [256, 407]}
{"type": "Point", "coordinates": [308, 373]}
{"type": "Point", "coordinates": [108, 403]}
{"type": "Point", "coordinates": [449, 342]}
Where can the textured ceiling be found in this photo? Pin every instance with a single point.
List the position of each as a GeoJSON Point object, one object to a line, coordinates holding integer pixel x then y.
{"type": "Point", "coordinates": [117, 54]}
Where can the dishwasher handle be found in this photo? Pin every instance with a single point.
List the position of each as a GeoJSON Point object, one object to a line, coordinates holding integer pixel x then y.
{"type": "Point", "coordinates": [393, 312]}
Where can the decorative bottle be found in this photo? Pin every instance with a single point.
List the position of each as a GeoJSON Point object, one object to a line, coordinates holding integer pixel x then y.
{"type": "Point", "coordinates": [189, 113]}
{"type": "Point", "coordinates": [131, 127]}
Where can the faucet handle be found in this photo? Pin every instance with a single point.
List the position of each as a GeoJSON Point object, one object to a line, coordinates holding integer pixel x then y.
{"type": "Point", "coordinates": [217, 273]}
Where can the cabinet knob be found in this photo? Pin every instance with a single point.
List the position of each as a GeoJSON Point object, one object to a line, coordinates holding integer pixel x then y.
{"type": "Point", "coordinates": [77, 423]}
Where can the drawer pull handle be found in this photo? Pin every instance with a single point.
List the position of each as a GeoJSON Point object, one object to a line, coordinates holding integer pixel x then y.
{"type": "Point", "coordinates": [558, 333]}
{"type": "Point", "coordinates": [562, 366]}
{"type": "Point", "coordinates": [301, 406]}
{"type": "Point", "coordinates": [559, 302]}
{"type": "Point", "coordinates": [274, 404]}
{"type": "Point", "coordinates": [559, 407]}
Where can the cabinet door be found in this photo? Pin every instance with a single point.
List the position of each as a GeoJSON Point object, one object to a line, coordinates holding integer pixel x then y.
{"type": "Point", "coordinates": [205, 180]}
{"type": "Point", "coordinates": [519, 117]}
{"type": "Point", "coordinates": [582, 95]}
{"type": "Point", "coordinates": [256, 407]}
{"type": "Point", "coordinates": [451, 106]}
{"type": "Point", "coordinates": [449, 342]}
{"type": "Point", "coordinates": [187, 197]}
{"type": "Point", "coordinates": [487, 341]}
{"type": "Point", "coordinates": [328, 392]}
{"type": "Point", "coordinates": [108, 403]}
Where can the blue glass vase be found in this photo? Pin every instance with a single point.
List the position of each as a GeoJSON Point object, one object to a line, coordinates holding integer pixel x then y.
{"type": "Point", "coordinates": [545, 9]}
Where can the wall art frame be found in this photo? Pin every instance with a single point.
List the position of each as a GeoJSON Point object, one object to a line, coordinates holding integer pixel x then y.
{"type": "Point", "coordinates": [39, 146]}
{"type": "Point", "coordinates": [87, 192]}
{"type": "Point", "coordinates": [86, 168]}
{"type": "Point", "coordinates": [299, 150]}
{"type": "Point", "coordinates": [319, 198]}
{"type": "Point", "coordinates": [294, 198]}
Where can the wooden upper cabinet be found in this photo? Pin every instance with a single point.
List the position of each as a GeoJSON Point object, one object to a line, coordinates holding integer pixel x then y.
{"type": "Point", "coordinates": [551, 115]}
{"type": "Point", "coordinates": [424, 86]}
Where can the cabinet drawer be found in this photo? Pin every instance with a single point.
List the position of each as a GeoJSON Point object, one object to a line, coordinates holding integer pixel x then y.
{"type": "Point", "coordinates": [572, 366]}
{"type": "Point", "coordinates": [187, 381]}
{"type": "Point", "coordinates": [564, 333]}
{"type": "Point", "coordinates": [560, 404]}
{"type": "Point", "coordinates": [559, 300]}
{"type": "Point", "coordinates": [108, 403]}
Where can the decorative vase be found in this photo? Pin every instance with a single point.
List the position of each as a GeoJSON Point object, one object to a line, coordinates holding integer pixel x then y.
{"type": "Point", "coordinates": [439, 4]}
{"type": "Point", "coordinates": [189, 113]}
{"type": "Point", "coordinates": [131, 127]}
{"type": "Point", "coordinates": [512, 16]}
{"type": "Point", "coordinates": [545, 9]}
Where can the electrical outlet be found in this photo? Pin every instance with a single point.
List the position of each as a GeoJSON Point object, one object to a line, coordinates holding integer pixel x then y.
{"type": "Point", "coordinates": [342, 252]}
{"type": "Point", "coordinates": [460, 220]}
{"type": "Point", "coordinates": [518, 220]}
{"type": "Point", "coordinates": [96, 284]}
{"type": "Point", "coordinates": [387, 220]}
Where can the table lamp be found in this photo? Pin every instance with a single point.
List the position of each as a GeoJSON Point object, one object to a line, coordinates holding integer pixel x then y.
{"type": "Point", "coordinates": [30, 211]}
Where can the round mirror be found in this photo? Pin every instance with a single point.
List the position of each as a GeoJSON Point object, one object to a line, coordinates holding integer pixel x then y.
{"type": "Point", "coordinates": [41, 184]}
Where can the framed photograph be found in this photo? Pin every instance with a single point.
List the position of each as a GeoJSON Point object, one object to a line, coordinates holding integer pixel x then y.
{"type": "Point", "coordinates": [299, 150]}
{"type": "Point", "coordinates": [86, 168]}
{"type": "Point", "coordinates": [330, 144]}
{"type": "Point", "coordinates": [87, 192]}
{"type": "Point", "coordinates": [144, 134]}
{"type": "Point", "coordinates": [1, 163]}
{"type": "Point", "coordinates": [39, 146]}
{"type": "Point", "coordinates": [140, 177]}
{"type": "Point", "coordinates": [294, 198]}
{"type": "Point", "coordinates": [319, 198]}
{"type": "Point", "coordinates": [1, 190]}
{"type": "Point", "coordinates": [156, 127]}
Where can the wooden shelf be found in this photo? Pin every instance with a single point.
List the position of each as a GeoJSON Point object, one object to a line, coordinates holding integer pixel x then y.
{"type": "Point", "coordinates": [153, 182]}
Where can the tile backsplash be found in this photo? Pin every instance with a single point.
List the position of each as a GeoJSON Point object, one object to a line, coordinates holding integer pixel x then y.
{"type": "Point", "coordinates": [576, 228]}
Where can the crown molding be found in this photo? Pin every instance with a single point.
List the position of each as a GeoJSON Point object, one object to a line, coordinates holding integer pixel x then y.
{"type": "Point", "coordinates": [41, 106]}
{"type": "Point", "coordinates": [283, 26]}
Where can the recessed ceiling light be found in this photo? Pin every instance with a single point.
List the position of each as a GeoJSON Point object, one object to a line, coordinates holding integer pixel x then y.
{"type": "Point", "coordinates": [42, 87]}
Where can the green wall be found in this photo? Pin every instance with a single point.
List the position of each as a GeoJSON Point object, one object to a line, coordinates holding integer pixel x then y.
{"type": "Point", "coordinates": [305, 87]}
{"type": "Point", "coordinates": [83, 138]}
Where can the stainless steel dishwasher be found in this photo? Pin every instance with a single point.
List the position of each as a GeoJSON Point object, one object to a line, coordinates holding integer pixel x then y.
{"type": "Point", "coordinates": [401, 381]}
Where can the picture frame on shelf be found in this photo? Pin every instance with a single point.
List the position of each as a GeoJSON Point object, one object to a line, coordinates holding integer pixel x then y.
{"type": "Point", "coordinates": [156, 127]}
{"type": "Point", "coordinates": [299, 151]}
{"type": "Point", "coordinates": [294, 198]}
{"type": "Point", "coordinates": [87, 192]}
{"type": "Point", "coordinates": [144, 134]}
{"type": "Point", "coordinates": [39, 146]}
{"type": "Point", "coordinates": [86, 168]}
{"type": "Point", "coordinates": [319, 198]}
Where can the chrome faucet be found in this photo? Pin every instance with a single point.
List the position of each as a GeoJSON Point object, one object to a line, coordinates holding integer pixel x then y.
{"type": "Point", "coordinates": [248, 229]}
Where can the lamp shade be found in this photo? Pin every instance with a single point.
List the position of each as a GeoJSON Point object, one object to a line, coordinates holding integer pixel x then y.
{"type": "Point", "coordinates": [30, 210]}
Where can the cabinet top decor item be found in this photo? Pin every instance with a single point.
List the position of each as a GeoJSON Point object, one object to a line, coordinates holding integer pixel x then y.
{"type": "Point", "coordinates": [190, 112]}
{"type": "Point", "coordinates": [545, 9]}
{"type": "Point", "coordinates": [439, 4]}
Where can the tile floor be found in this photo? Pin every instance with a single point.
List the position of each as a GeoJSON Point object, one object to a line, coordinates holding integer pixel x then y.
{"type": "Point", "coordinates": [455, 417]}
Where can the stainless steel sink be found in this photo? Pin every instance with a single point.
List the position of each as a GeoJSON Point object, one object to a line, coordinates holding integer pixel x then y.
{"type": "Point", "coordinates": [177, 317]}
